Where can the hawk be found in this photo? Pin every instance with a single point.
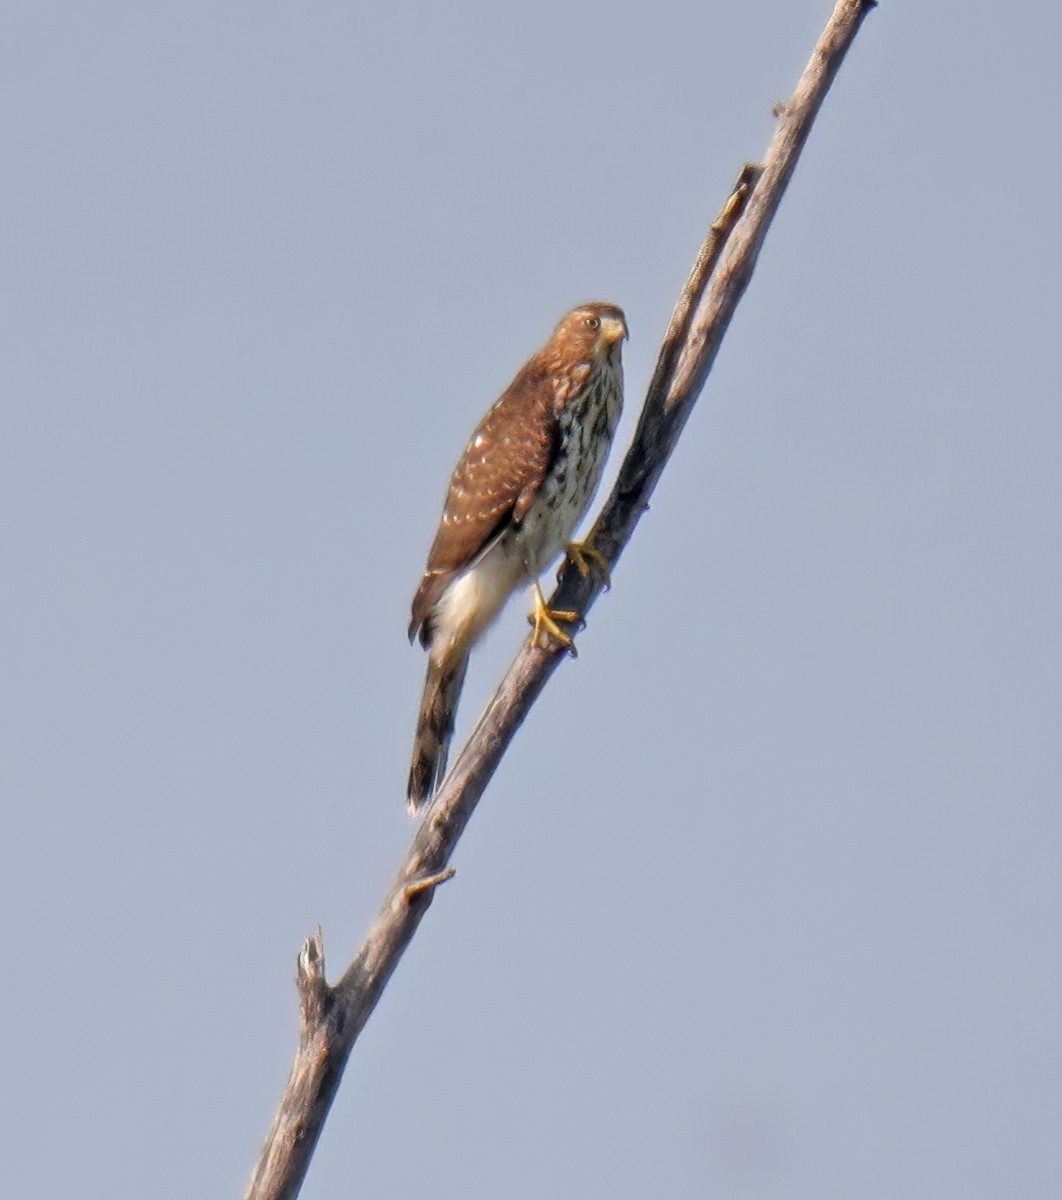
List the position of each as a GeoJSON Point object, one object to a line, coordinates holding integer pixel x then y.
{"type": "Point", "coordinates": [520, 488]}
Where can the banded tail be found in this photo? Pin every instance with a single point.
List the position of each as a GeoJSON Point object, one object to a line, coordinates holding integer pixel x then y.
{"type": "Point", "coordinates": [435, 727]}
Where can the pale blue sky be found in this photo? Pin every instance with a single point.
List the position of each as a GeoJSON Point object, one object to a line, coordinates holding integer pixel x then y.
{"type": "Point", "coordinates": [765, 900]}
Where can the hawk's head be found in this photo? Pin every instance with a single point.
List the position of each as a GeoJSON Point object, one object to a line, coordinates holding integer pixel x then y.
{"type": "Point", "coordinates": [591, 330]}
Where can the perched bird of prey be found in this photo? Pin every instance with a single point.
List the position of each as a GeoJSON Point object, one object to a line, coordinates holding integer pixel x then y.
{"type": "Point", "coordinates": [521, 487]}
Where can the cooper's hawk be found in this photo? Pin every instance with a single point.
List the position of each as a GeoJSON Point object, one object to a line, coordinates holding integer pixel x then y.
{"type": "Point", "coordinates": [516, 495]}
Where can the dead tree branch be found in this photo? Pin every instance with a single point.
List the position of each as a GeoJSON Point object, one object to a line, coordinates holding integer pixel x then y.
{"type": "Point", "coordinates": [332, 1017]}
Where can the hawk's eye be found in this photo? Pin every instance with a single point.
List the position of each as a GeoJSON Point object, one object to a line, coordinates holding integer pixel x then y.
{"type": "Point", "coordinates": [593, 322]}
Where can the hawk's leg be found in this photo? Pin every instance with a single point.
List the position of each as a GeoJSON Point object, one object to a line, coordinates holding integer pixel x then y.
{"type": "Point", "coordinates": [545, 621]}
{"type": "Point", "coordinates": [582, 554]}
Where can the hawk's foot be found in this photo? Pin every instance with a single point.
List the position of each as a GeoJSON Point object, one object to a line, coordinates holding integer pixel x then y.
{"type": "Point", "coordinates": [545, 619]}
{"type": "Point", "coordinates": [583, 554]}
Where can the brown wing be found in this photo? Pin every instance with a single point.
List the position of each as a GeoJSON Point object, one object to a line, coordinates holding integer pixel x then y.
{"type": "Point", "coordinates": [494, 483]}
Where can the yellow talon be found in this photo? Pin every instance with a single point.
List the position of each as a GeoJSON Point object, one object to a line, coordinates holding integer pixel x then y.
{"type": "Point", "coordinates": [580, 552]}
{"type": "Point", "coordinates": [545, 621]}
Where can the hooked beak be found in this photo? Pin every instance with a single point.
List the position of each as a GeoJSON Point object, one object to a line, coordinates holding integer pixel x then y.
{"type": "Point", "coordinates": [614, 329]}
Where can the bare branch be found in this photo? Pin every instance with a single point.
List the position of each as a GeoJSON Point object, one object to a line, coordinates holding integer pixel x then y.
{"type": "Point", "coordinates": [333, 1017]}
{"type": "Point", "coordinates": [428, 882]}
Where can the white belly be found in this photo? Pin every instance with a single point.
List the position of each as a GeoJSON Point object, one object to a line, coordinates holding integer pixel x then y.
{"type": "Point", "coordinates": [572, 483]}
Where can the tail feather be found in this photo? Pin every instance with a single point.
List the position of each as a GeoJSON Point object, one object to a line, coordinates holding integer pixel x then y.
{"type": "Point", "coordinates": [435, 728]}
